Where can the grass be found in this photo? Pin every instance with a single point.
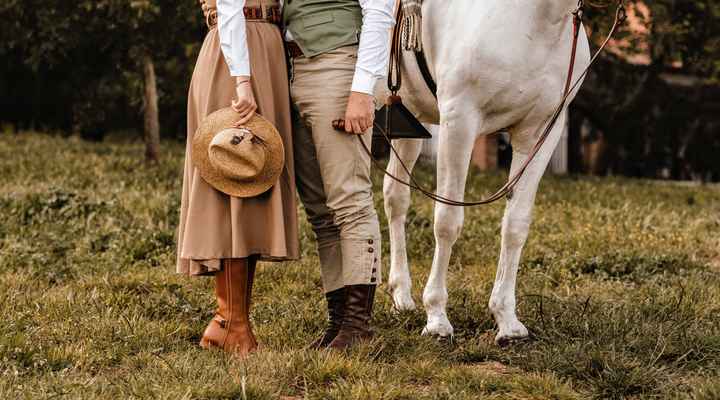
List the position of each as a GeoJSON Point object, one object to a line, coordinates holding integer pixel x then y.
{"type": "Point", "coordinates": [619, 287]}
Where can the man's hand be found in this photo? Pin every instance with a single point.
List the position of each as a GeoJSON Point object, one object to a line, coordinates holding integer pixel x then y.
{"type": "Point", "coordinates": [360, 113]}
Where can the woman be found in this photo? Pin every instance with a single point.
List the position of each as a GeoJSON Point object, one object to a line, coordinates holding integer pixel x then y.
{"type": "Point", "coordinates": [241, 64]}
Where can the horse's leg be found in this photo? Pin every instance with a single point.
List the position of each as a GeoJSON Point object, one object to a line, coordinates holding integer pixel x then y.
{"type": "Point", "coordinates": [515, 227]}
{"type": "Point", "coordinates": [397, 202]}
{"type": "Point", "coordinates": [458, 129]}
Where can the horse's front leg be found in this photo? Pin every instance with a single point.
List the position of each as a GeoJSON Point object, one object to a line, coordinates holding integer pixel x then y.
{"type": "Point", "coordinates": [515, 227]}
{"type": "Point", "coordinates": [397, 202]}
{"type": "Point", "coordinates": [458, 129]}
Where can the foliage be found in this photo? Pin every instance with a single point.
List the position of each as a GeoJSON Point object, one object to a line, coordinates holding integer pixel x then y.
{"type": "Point", "coordinates": [618, 284]}
{"type": "Point", "coordinates": [83, 58]}
{"type": "Point", "coordinates": [674, 34]}
{"type": "Point", "coordinates": [658, 118]}
{"type": "Point", "coordinates": [74, 66]}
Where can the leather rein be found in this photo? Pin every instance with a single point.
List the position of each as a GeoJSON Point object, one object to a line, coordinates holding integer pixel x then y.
{"type": "Point", "coordinates": [395, 81]}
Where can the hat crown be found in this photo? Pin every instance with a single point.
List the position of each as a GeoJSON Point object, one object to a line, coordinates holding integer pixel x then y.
{"type": "Point", "coordinates": [237, 154]}
{"type": "Point", "coordinates": [241, 161]}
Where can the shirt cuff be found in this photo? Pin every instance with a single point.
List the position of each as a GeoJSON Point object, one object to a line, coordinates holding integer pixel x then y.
{"type": "Point", "coordinates": [364, 82]}
{"type": "Point", "coordinates": [240, 69]}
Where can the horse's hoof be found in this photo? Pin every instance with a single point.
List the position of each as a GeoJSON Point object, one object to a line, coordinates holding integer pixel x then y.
{"type": "Point", "coordinates": [512, 334]}
{"type": "Point", "coordinates": [438, 326]}
{"type": "Point", "coordinates": [403, 302]}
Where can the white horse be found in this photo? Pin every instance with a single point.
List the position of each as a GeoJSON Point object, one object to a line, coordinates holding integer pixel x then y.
{"type": "Point", "coordinates": [499, 65]}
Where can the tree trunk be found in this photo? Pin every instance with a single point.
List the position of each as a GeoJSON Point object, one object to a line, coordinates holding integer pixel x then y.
{"type": "Point", "coordinates": [152, 121]}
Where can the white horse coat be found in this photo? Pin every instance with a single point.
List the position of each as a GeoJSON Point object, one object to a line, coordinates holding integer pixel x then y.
{"type": "Point", "coordinates": [499, 65]}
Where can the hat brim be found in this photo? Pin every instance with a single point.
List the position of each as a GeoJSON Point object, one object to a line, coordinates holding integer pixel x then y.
{"type": "Point", "coordinates": [226, 118]}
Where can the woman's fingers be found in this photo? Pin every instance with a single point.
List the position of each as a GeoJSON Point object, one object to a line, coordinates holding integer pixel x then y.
{"type": "Point", "coordinates": [240, 109]}
{"type": "Point", "coordinates": [246, 114]}
{"type": "Point", "coordinates": [245, 119]}
{"type": "Point", "coordinates": [241, 106]}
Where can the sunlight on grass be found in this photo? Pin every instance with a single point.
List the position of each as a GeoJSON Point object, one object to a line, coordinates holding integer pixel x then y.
{"type": "Point", "coordinates": [618, 285]}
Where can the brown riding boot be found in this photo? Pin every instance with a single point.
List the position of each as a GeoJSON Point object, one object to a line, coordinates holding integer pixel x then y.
{"type": "Point", "coordinates": [230, 329]}
{"type": "Point", "coordinates": [336, 307]}
{"type": "Point", "coordinates": [356, 321]}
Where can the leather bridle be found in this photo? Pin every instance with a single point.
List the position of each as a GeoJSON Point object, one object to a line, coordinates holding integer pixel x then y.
{"type": "Point", "coordinates": [395, 81]}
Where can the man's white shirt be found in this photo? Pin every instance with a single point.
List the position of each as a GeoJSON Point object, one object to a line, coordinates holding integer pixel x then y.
{"type": "Point", "coordinates": [373, 51]}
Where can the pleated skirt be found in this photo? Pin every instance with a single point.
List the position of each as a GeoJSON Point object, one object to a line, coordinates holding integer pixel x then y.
{"type": "Point", "coordinates": [214, 226]}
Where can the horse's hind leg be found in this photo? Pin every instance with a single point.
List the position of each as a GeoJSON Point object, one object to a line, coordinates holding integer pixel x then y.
{"type": "Point", "coordinates": [397, 202]}
{"type": "Point", "coordinates": [515, 227]}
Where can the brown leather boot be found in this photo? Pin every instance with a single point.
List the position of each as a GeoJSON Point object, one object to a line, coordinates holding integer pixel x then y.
{"type": "Point", "coordinates": [336, 307]}
{"type": "Point", "coordinates": [356, 321]}
{"type": "Point", "coordinates": [230, 329]}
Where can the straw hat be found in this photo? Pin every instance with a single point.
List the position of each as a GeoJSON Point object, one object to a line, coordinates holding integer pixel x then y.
{"type": "Point", "coordinates": [241, 162]}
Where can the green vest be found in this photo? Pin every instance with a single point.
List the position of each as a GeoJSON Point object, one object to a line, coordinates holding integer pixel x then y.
{"type": "Point", "coordinates": [319, 26]}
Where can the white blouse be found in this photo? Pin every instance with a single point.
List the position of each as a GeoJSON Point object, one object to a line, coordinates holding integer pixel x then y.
{"type": "Point", "coordinates": [233, 36]}
{"type": "Point", "coordinates": [373, 52]}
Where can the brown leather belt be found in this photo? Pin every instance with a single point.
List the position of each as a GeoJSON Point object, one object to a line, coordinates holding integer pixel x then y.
{"type": "Point", "coordinates": [270, 14]}
{"type": "Point", "coordinates": [294, 51]}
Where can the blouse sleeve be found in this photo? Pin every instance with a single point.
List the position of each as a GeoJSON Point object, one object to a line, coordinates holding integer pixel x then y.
{"type": "Point", "coordinates": [233, 36]}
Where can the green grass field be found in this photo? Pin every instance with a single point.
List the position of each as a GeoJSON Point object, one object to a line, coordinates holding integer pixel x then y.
{"type": "Point", "coordinates": [619, 287]}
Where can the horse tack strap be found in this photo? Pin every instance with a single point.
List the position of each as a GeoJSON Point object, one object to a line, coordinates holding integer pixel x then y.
{"type": "Point", "coordinates": [394, 75]}
{"type": "Point", "coordinates": [394, 80]}
{"type": "Point", "coordinates": [425, 71]}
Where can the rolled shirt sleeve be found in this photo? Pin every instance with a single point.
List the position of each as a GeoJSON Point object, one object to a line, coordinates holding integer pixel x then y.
{"type": "Point", "coordinates": [233, 36]}
{"type": "Point", "coordinates": [374, 48]}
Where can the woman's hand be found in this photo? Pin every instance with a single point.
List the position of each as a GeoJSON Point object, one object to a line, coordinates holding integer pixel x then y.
{"type": "Point", "coordinates": [245, 104]}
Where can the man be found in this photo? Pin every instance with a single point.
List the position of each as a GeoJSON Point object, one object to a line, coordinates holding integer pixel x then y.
{"type": "Point", "coordinates": [338, 50]}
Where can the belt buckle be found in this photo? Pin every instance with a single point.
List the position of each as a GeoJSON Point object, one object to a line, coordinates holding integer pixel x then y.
{"type": "Point", "coordinates": [272, 14]}
{"type": "Point", "coordinates": [253, 13]}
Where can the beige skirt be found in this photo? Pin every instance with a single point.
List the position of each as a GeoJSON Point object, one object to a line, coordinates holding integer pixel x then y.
{"type": "Point", "coordinates": [214, 226]}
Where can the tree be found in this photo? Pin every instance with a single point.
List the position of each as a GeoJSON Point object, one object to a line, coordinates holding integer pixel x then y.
{"type": "Point", "coordinates": [150, 26]}
{"type": "Point", "coordinates": [657, 116]}
{"type": "Point", "coordinates": [95, 60]}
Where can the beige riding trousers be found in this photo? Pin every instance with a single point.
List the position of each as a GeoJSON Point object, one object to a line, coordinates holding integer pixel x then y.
{"type": "Point", "coordinates": [333, 171]}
